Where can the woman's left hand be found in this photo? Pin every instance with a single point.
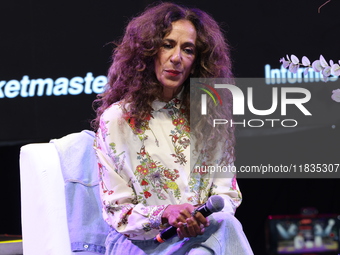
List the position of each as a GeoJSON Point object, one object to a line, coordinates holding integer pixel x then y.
{"type": "Point", "coordinates": [193, 226]}
{"type": "Point", "coordinates": [181, 217]}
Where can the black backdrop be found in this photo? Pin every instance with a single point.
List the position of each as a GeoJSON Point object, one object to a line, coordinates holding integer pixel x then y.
{"type": "Point", "coordinates": [71, 38]}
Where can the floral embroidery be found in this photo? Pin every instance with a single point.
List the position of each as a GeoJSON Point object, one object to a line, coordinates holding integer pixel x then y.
{"type": "Point", "coordinates": [200, 181]}
{"type": "Point", "coordinates": [180, 137]}
{"type": "Point", "coordinates": [155, 213]}
{"type": "Point", "coordinates": [143, 183]}
{"type": "Point", "coordinates": [102, 184]}
{"type": "Point", "coordinates": [233, 183]}
{"type": "Point", "coordinates": [125, 212]}
{"type": "Point", "coordinates": [198, 185]}
{"type": "Point", "coordinates": [212, 188]}
{"type": "Point", "coordinates": [118, 162]}
{"type": "Point", "coordinates": [152, 175]}
{"type": "Point", "coordinates": [140, 132]}
{"type": "Point", "coordinates": [147, 227]}
{"type": "Point", "coordinates": [103, 128]}
{"type": "Point", "coordinates": [147, 194]}
{"type": "Point", "coordinates": [105, 189]}
{"type": "Point", "coordinates": [235, 188]}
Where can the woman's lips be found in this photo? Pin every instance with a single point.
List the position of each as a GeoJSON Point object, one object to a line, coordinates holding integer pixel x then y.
{"type": "Point", "coordinates": [172, 72]}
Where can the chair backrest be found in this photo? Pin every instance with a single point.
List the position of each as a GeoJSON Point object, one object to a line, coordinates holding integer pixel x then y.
{"type": "Point", "coordinates": [47, 170]}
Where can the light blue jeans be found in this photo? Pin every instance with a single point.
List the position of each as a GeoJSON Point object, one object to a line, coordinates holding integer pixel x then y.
{"type": "Point", "coordinates": [224, 236]}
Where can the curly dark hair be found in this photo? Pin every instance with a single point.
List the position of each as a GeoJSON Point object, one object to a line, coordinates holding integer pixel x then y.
{"type": "Point", "coordinates": [132, 74]}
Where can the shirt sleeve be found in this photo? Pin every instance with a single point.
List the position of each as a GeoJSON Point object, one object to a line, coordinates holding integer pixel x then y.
{"type": "Point", "coordinates": [224, 181]}
{"type": "Point", "coordinates": [121, 209]}
{"type": "Point", "coordinates": [228, 188]}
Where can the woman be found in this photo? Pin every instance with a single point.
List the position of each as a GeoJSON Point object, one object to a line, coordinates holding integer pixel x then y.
{"type": "Point", "coordinates": [143, 138]}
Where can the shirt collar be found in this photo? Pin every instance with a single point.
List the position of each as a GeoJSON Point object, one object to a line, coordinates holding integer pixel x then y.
{"type": "Point", "coordinates": [173, 103]}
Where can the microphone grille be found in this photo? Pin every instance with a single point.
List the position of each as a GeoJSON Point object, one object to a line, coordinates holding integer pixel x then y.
{"type": "Point", "coordinates": [215, 203]}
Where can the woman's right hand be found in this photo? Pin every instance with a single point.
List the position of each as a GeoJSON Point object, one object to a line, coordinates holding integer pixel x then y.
{"type": "Point", "coordinates": [180, 216]}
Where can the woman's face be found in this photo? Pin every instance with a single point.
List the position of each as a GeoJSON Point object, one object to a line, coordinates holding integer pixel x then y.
{"type": "Point", "coordinates": [175, 59]}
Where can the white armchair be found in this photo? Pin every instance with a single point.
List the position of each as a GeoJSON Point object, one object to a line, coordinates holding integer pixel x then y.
{"type": "Point", "coordinates": [43, 204]}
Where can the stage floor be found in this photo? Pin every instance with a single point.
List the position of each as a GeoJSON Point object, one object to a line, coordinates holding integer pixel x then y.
{"type": "Point", "coordinates": [10, 245]}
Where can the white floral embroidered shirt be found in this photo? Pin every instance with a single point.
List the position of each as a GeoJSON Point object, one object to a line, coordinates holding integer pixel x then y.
{"type": "Point", "coordinates": [144, 170]}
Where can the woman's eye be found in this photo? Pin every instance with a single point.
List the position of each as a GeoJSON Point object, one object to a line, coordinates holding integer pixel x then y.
{"type": "Point", "coordinates": [167, 46]}
{"type": "Point", "coordinates": [189, 51]}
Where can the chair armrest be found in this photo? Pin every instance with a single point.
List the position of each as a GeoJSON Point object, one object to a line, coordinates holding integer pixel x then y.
{"type": "Point", "coordinates": [43, 209]}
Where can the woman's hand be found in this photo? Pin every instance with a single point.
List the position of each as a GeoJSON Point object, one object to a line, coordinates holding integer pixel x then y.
{"type": "Point", "coordinates": [180, 216]}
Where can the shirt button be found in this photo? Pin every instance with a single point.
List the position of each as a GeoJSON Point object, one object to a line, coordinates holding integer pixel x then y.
{"type": "Point", "coordinates": [86, 246]}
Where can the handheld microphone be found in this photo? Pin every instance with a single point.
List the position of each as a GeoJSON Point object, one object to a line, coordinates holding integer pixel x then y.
{"type": "Point", "coordinates": [214, 204]}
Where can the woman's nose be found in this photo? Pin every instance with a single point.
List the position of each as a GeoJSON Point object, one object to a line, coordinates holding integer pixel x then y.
{"type": "Point", "coordinates": [176, 56]}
